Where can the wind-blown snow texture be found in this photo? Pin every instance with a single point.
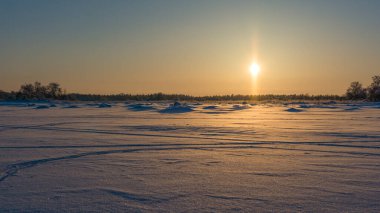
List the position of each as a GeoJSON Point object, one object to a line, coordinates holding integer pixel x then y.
{"type": "Point", "coordinates": [78, 157]}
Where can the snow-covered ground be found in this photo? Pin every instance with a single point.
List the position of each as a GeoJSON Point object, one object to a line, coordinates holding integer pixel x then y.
{"type": "Point", "coordinates": [117, 157]}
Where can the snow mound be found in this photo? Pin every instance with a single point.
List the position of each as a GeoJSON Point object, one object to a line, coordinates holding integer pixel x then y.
{"type": "Point", "coordinates": [241, 107]}
{"type": "Point", "coordinates": [293, 110]}
{"type": "Point", "coordinates": [352, 108]}
{"type": "Point", "coordinates": [317, 106]}
{"type": "Point", "coordinates": [210, 107]}
{"type": "Point", "coordinates": [177, 108]}
{"type": "Point", "coordinates": [92, 105]}
{"type": "Point", "coordinates": [325, 107]}
{"type": "Point", "coordinates": [42, 107]}
{"type": "Point", "coordinates": [104, 105]}
{"type": "Point", "coordinates": [330, 102]}
{"type": "Point", "coordinates": [305, 106]}
{"type": "Point", "coordinates": [140, 107]}
{"type": "Point", "coordinates": [71, 107]}
{"type": "Point", "coordinates": [13, 103]}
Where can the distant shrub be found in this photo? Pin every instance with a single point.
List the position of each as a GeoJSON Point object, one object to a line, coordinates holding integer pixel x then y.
{"type": "Point", "coordinates": [356, 91]}
{"type": "Point", "coordinates": [374, 89]}
{"type": "Point", "coordinates": [39, 92]}
{"type": "Point", "coordinates": [3, 95]}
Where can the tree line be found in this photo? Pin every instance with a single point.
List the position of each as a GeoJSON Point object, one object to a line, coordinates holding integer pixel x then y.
{"type": "Point", "coordinates": [53, 91]}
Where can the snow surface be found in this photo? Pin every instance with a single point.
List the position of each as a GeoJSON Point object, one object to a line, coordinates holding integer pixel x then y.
{"type": "Point", "coordinates": [145, 157]}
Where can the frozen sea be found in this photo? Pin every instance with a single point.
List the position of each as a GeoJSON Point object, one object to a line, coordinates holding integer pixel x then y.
{"type": "Point", "coordinates": [133, 157]}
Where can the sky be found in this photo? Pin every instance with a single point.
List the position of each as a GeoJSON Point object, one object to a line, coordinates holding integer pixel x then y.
{"type": "Point", "coordinates": [197, 47]}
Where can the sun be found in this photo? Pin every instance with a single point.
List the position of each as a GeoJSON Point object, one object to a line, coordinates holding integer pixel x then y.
{"type": "Point", "coordinates": [254, 69]}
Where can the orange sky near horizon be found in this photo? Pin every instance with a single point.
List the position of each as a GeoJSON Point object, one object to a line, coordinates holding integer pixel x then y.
{"type": "Point", "coordinates": [194, 47]}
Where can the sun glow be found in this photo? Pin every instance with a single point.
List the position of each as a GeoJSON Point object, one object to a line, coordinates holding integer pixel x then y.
{"type": "Point", "coordinates": [254, 69]}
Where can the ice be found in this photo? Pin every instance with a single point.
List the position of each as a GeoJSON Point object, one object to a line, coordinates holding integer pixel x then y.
{"type": "Point", "coordinates": [134, 158]}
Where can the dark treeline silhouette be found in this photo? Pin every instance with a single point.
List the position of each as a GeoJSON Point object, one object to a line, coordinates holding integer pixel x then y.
{"type": "Point", "coordinates": [53, 91]}
{"type": "Point", "coordinates": [356, 91]}
{"type": "Point", "coordinates": [35, 91]}
{"type": "Point", "coordinates": [181, 97]}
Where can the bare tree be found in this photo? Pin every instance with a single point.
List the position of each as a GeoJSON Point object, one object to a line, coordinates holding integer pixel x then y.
{"type": "Point", "coordinates": [26, 91]}
{"type": "Point", "coordinates": [356, 91]}
{"type": "Point", "coordinates": [53, 90]}
{"type": "Point", "coordinates": [374, 89]}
